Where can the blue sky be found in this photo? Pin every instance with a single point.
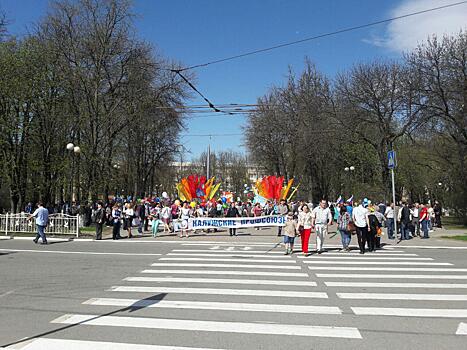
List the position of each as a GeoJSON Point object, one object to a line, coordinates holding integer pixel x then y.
{"type": "Point", "coordinates": [194, 32]}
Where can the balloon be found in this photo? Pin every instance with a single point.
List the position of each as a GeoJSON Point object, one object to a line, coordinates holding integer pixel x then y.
{"type": "Point", "coordinates": [245, 185]}
{"type": "Point", "coordinates": [165, 195]}
{"type": "Point", "coordinates": [245, 191]}
{"type": "Point", "coordinates": [225, 206]}
{"type": "Point", "coordinates": [224, 199]}
{"type": "Point", "coordinates": [193, 204]}
{"type": "Point", "coordinates": [177, 202]}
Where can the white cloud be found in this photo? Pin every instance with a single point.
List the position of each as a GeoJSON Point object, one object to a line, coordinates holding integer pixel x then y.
{"type": "Point", "coordinates": [406, 33]}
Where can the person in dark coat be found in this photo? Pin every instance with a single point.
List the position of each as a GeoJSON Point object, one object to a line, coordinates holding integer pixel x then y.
{"type": "Point", "coordinates": [232, 212]}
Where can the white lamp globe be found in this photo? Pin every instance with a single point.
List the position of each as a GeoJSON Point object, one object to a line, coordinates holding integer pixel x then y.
{"type": "Point", "coordinates": [346, 168]}
{"type": "Point", "coordinates": [70, 146]}
{"type": "Point", "coordinates": [76, 149]}
{"type": "Point", "coordinates": [352, 168]}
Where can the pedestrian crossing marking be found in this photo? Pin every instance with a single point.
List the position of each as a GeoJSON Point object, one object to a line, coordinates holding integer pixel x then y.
{"type": "Point", "coordinates": [230, 254]}
{"type": "Point", "coordinates": [69, 344]}
{"type": "Point", "coordinates": [231, 259]}
{"type": "Point", "coordinates": [396, 285]}
{"type": "Point", "coordinates": [211, 326]}
{"type": "Point", "coordinates": [219, 291]}
{"type": "Point", "coordinates": [275, 267]}
{"type": "Point", "coordinates": [233, 273]}
{"type": "Point", "coordinates": [224, 251]}
{"type": "Point", "coordinates": [392, 296]}
{"type": "Point", "coordinates": [411, 269]}
{"type": "Point", "coordinates": [368, 258]}
{"type": "Point", "coordinates": [370, 262]}
{"type": "Point", "coordinates": [409, 312]}
{"type": "Point", "coordinates": [462, 329]}
{"type": "Point", "coordinates": [220, 281]}
{"type": "Point", "coordinates": [380, 276]}
{"type": "Point", "coordinates": [182, 304]}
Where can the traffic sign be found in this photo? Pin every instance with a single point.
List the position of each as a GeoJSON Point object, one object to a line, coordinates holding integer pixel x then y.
{"type": "Point", "coordinates": [392, 159]}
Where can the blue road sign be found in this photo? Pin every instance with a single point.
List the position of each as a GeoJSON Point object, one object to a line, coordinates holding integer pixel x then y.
{"type": "Point", "coordinates": [391, 159]}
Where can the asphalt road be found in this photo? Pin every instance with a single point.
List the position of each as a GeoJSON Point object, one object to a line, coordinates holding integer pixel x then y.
{"type": "Point", "coordinates": [230, 293]}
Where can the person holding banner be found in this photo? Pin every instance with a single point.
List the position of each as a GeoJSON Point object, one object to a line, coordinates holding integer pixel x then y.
{"type": "Point", "coordinates": [304, 227]}
{"type": "Point", "coordinates": [232, 212]}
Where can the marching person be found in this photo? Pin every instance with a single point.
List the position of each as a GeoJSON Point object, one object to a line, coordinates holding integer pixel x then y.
{"type": "Point", "coordinates": [100, 220]}
{"type": "Point", "coordinates": [290, 230]}
{"type": "Point", "coordinates": [359, 219]}
{"type": "Point", "coordinates": [282, 209]}
{"type": "Point", "coordinates": [424, 220]}
{"type": "Point", "coordinates": [304, 227]}
{"type": "Point", "coordinates": [116, 215]}
{"type": "Point", "coordinates": [232, 212]}
{"type": "Point", "coordinates": [321, 218]}
{"type": "Point", "coordinates": [42, 219]}
{"type": "Point", "coordinates": [184, 216]}
{"type": "Point", "coordinates": [128, 214]}
{"type": "Point", "coordinates": [343, 222]}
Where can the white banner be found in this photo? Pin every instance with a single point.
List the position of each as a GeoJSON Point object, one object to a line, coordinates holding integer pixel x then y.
{"type": "Point", "coordinates": [202, 223]}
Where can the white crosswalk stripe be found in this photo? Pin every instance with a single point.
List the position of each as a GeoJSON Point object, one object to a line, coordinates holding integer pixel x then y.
{"type": "Point", "coordinates": [220, 281]}
{"type": "Point", "coordinates": [380, 276]}
{"type": "Point", "coordinates": [395, 296]}
{"type": "Point", "coordinates": [230, 260]}
{"type": "Point", "coordinates": [397, 285]}
{"type": "Point", "coordinates": [383, 268]}
{"type": "Point", "coordinates": [406, 312]}
{"type": "Point", "coordinates": [283, 308]}
{"type": "Point", "coordinates": [370, 262]}
{"type": "Point", "coordinates": [233, 273]}
{"type": "Point", "coordinates": [244, 266]}
{"type": "Point", "coordinates": [210, 326]}
{"type": "Point", "coordinates": [221, 291]}
{"type": "Point", "coordinates": [230, 254]}
{"type": "Point", "coordinates": [462, 329]}
{"type": "Point", "coordinates": [243, 250]}
{"type": "Point", "coordinates": [61, 344]}
{"type": "Point", "coordinates": [368, 258]}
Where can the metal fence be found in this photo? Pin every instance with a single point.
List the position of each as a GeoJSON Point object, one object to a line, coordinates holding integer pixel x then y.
{"type": "Point", "coordinates": [60, 224]}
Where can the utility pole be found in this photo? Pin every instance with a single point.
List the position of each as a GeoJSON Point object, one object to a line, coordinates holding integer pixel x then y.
{"type": "Point", "coordinates": [392, 165]}
{"type": "Point", "coordinates": [208, 160]}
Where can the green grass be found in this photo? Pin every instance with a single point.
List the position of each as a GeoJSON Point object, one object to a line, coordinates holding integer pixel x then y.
{"type": "Point", "coordinates": [457, 237]}
{"type": "Point", "coordinates": [453, 223]}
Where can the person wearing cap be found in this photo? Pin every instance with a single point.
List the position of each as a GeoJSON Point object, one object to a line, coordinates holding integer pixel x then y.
{"type": "Point", "coordinates": [290, 230]}
{"type": "Point", "coordinates": [359, 215]}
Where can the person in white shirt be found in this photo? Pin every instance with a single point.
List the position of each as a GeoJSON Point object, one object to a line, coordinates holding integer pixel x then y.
{"type": "Point", "coordinates": [128, 215]}
{"type": "Point", "coordinates": [185, 213]}
{"type": "Point", "coordinates": [389, 216]}
{"type": "Point", "coordinates": [321, 218]}
{"type": "Point", "coordinates": [359, 219]}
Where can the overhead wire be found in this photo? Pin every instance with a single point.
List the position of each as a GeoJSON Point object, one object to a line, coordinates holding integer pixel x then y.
{"type": "Point", "coordinates": [319, 36]}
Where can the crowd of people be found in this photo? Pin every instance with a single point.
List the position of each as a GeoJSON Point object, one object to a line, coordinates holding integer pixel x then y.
{"type": "Point", "coordinates": [363, 219]}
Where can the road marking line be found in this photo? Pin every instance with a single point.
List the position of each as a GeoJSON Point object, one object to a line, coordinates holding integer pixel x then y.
{"type": "Point", "coordinates": [230, 254]}
{"type": "Point", "coordinates": [381, 276]}
{"type": "Point", "coordinates": [462, 329]}
{"type": "Point", "coordinates": [60, 344]}
{"type": "Point", "coordinates": [220, 281]}
{"type": "Point", "coordinates": [225, 251]}
{"type": "Point", "coordinates": [214, 291]}
{"type": "Point", "coordinates": [223, 272]}
{"type": "Point", "coordinates": [368, 254]}
{"type": "Point", "coordinates": [368, 262]}
{"type": "Point", "coordinates": [136, 303]}
{"type": "Point", "coordinates": [76, 252]}
{"type": "Point", "coordinates": [411, 269]}
{"type": "Point", "coordinates": [276, 267]}
{"type": "Point", "coordinates": [247, 260]}
{"type": "Point", "coordinates": [396, 285]}
{"type": "Point", "coordinates": [431, 247]}
{"type": "Point", "coordinates": [406, 312]}
{"type": "Point", "coordinates": [211, 326]}
{"type": "Point", "coordinates": [369, 258]}
{"type": "Point", "coordinates": [392, 296]}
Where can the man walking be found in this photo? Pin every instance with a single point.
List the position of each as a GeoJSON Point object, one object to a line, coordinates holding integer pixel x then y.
{"type": "Point", "coordinates": [42, 218]}
{"type": "Point", "coordinates": [424, 220]}
{"type": "Point", "coordinates": [415, 220]}
{"type": "Point", "coordinates": [321, 217]}
{"type": "Point", "coordinates": [389, 216]}
{"type": "Point", "coordinates": [100, 220]}
{"type": "Point", "coordinates": [232, 212]}
{"type": "Point", "coordinates": [359, 215]}
{"type": "Point", "coordinates": [282, 209]}
{"type": "Point", "coordinates": [405, 220]}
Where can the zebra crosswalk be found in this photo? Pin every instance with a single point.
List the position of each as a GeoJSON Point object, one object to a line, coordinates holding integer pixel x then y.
{"type": "Point", "coordinates": [202, 298]}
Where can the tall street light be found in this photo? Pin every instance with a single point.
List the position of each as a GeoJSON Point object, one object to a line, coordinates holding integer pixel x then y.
{"type": "Point", "coordinates": [350, 169]}
{"type": "Point", "coordinates": [73, 150]}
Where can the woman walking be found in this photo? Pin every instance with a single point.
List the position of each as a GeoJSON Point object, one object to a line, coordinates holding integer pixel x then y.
{"type": "Point", "coordinates": [343, 222]}
{"type": "Point", "coordinates": [116, 215]}
{"type": "Point", "coordinates": [304, 227]}
{"type": "Point", "coordinates": [128, 214]}
{"type": "Point", "coordinates": [184, 216]}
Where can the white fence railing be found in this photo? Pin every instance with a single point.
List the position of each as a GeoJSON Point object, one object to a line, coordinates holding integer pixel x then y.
{"type": "Point", "coordinates": [58, 224]}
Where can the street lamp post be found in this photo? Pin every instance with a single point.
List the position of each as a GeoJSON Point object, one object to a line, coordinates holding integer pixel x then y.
{"type": "Point", "coordinates": [350, 169]}
{"type": "Point", "coordinates": [73, 150]}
